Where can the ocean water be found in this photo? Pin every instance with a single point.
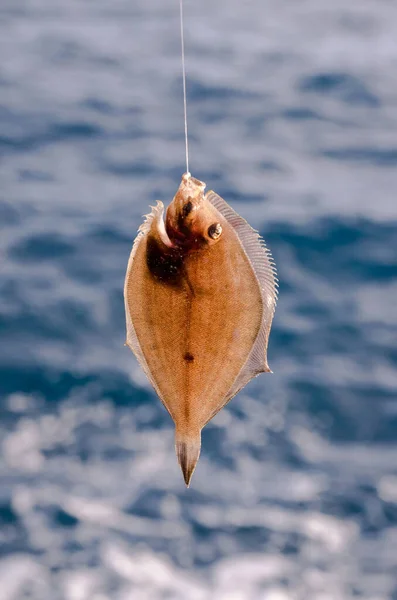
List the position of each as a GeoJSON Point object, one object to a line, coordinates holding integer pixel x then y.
{"type": "Point", "coordinates": [293, 119]}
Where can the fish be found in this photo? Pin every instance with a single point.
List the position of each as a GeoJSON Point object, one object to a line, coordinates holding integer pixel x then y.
{"type": "Point", "coordinates": [200, 294]}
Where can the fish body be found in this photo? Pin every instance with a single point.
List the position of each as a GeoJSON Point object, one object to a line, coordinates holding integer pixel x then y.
{"type": "Point", "coordinates": [200, 294]}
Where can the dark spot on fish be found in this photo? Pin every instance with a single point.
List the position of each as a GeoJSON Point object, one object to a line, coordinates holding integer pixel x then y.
{"type": "Point", "coordinates": [165, 264]}
{"type": "Point", "coordinates": [189, 357]}
{"type": "Point", "coordinates": [183, 230]}
{"type": "Point", "coordinates": [182, 455]}
{"type": "Point", "coordinates": [214, 231]}
{"type": "Point", "coordinates": [187, 209]}
{"type": "Point", "coordinates": [183, 461]}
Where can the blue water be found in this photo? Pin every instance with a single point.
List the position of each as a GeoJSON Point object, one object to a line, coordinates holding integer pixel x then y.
{"type": "Point", "coordinates": [293, 119]}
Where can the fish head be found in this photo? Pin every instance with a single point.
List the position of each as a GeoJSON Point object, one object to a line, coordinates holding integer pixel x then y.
{"type": "Point", "coordinates": [191, 220]}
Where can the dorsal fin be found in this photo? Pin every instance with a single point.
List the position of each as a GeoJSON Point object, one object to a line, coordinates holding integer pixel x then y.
{"type": "Point", "coordinates": [264, 268]}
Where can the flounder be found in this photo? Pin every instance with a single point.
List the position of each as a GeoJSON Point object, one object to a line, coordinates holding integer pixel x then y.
{"type": "Point", "coordinates": [200, 294]}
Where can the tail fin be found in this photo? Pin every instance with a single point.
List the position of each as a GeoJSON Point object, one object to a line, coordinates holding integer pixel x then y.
{"type": "Point", "coordinates": [187, 447]}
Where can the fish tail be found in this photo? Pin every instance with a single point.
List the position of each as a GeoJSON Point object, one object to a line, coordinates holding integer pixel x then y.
{"type": "Point", "coordinates": [187, 447]}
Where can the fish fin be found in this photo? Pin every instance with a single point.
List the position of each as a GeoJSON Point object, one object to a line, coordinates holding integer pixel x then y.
{"type": "Point", "coordinates": [154, 217]}
{"type": "Point", "coordinates": [187, 447]}
{"type": "Point", "coordinates": [264, 268]}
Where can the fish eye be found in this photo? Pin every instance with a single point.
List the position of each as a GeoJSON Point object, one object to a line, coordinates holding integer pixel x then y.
{"type": "Point", "coordinates": [214, 231]}
{"type": "Point", "coordinates": [187, 209]}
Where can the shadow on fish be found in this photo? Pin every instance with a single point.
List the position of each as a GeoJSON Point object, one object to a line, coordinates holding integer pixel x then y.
{"type": "Point", "coordinates": [200, 294]}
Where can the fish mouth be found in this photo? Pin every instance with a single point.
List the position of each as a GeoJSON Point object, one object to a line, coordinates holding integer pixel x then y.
{"type": "Point", "coordinates": [182, 213]}
{"type": "Point", "coordinates": [192, 183]}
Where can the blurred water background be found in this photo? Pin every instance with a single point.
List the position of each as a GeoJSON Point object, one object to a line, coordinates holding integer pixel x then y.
{"type": "Point", "coordinates": [293, 119]}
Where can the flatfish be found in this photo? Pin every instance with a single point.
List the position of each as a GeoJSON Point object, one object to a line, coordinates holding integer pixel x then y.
{"type": "Point", "coordinates": [200, 294]}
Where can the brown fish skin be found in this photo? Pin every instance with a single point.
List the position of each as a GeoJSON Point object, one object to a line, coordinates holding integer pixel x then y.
{"type": "Point", "coordinates": [198, 317]}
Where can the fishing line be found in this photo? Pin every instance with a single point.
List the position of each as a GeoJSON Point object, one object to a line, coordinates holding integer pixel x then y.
{"type": "Point", "coordinates": [184, 84]}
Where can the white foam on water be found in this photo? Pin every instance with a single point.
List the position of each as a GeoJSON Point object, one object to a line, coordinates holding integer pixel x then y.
{"type": "Point", "coordinates": [21, 572]}
{"type": "Point", "coordinates": [116, 559]}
